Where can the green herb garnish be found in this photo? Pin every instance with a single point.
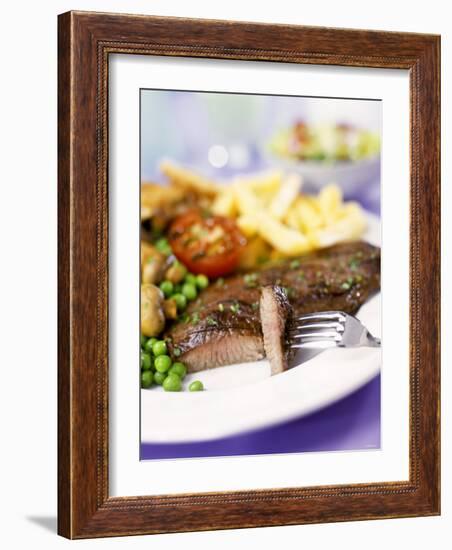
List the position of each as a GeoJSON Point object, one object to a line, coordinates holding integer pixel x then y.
{"type": "Point", "coordinates": [184, 318]}
{"type": "Point", "coordinates": [289, 291]}
{"type": "Point", "coordinates": [195, 318]}
{"type": "Point", "coordinates": [251, 280]}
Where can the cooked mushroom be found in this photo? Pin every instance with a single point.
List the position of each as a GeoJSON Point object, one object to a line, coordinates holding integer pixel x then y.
{"type": "Point", "coordinates": [170, 308]}
{"type": "Point", "coordinates": [153, 263]}
{"type": "Point", "coordinates": [152, 314]}
{"type": "Point", "coordinates": [275, 313]}
{"type": "Point", "coordinates": [176, 272]}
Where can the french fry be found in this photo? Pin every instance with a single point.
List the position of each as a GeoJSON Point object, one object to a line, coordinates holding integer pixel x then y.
{"type": "Point", "coordinates": [267, 183]}
{"type": "Point", "coordinates": [286, 195]}
{"type": "Point", "coordinates": [351, 209]}
{"type": "Point", "coordinates": [153, 194]}
{"type": "Point", "coordinates": [156, 197]}
{"type": "Point", "coordinates": [225, 204]}
{"type": "Point", "coordinates": [284, 239]}
{"type": "Point", "coordinates": [247, 201]}
{"type": "Point", "coordinates": [187, 179]}
{"type": "Point", "coordinates": [308, 213]}
{"type": "Point", "coordinates": [267, 207]}
{"type": "Point", "coordinates": [351, 225]}
{"type": "Point", "coordinates": [329, 202]}
{"type": "Point", "coordinates": [291, 218]}
{"type": "Point", "coordinates": [248, 224]}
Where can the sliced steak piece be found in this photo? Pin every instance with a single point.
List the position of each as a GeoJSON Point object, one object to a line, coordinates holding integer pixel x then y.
{"type": "Point", "coordinates": [276, 315]}
{"type": "Point", "coordinates": [228, 332]}
{"type": "Point", "coordinates": [218, 348]}
{"type": "Point", "coordinates": [222, 326]}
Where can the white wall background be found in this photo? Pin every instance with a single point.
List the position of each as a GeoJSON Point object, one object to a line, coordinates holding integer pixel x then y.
{"type": "Point", "coordinates": [28, 270]}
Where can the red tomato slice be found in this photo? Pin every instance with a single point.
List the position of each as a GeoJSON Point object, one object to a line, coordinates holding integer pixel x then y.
{"type": "Point", "coordinates": [206, 244]}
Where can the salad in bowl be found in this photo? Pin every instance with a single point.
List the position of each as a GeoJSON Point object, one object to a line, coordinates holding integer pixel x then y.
{"type": "Point", "coordinates": [328, 152]}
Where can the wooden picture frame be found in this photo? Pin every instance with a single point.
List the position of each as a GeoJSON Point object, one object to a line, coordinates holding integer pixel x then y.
{"type": "Point", "coordinates": [85, 42]}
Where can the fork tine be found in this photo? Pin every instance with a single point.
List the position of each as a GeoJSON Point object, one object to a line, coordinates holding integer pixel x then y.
{"type": "Point", "coordinates": [324, 315]}
{"type": "Point", "coordinates": [322, 341]}
{"type": "Point", "coordinates": [317, 337]}
{"type": "Point", "coordinates": [322, 334]}
{"type": "Point", "coordinates": [326, 325]}
{"type": "Point", "coordinates": [330, 329]}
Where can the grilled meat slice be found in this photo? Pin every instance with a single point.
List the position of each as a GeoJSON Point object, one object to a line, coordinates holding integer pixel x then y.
{"type": "Point", "coordinates": [225, 333]}
{"type": "Point", "coordinates": [222, 326]}
{"type": "Point", "coordinates": [276, 315]}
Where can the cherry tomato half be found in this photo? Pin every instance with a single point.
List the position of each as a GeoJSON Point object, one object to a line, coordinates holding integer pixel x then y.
{"type": "Point", "coordinates": [206, 244]}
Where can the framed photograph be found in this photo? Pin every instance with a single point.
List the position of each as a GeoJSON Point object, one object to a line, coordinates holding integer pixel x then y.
{"type": "Point", "coordinates": [248, 275]}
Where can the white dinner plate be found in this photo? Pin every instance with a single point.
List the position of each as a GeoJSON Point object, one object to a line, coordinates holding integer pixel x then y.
{"type": "Point", "coordinates": [245, 397]}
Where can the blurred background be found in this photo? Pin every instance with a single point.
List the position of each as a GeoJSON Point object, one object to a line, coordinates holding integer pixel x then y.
{"type": "Point", "coordinates": [223, 134]}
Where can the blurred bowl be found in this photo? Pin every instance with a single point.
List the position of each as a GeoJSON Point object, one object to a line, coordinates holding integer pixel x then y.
{"type": "Point", "coordinates": [350, 176]}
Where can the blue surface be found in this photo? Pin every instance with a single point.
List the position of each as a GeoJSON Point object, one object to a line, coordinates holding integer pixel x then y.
{"type": "Point", "coordinates": [352, 423]}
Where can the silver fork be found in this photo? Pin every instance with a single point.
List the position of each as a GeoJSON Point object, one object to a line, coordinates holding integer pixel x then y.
{"type": "Point", "coordinates": [330, 328]}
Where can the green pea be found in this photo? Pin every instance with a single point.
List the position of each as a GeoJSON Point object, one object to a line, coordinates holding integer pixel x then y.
{"type": "Point", "coordinates": [159, 377]}
{"type": "Point", "coordinates": [181, 301]}
{"type": "Point", "coordinates": [159, 348]}
{"type": "Point", "coordinates": [196, 385]}
{"type": "Point", "coordinates": [143, 340]}
{"type": "Point", "coordinates": [167, 288]}
{"type": "Point", "coordinates": [162, 363]}
{"type": "Point", "coordinates": [190, 278]}
{"type": "Point", "coordinates": [149, 344]}
{"type": "Point", "coordinates": [163, 246]}
{"type": "Point", "coordinates": [202, 281]}
{"type": "Point", "coordinates": [146, 379]}
{"type": "Point", "coordinates": [172, 383]}
{"type": "Point", "coordinates": [178, 368]}
{"type": "Point", "coordinates": [145, 361]}
{"type": "Point", "coordinates": [189, 291]}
